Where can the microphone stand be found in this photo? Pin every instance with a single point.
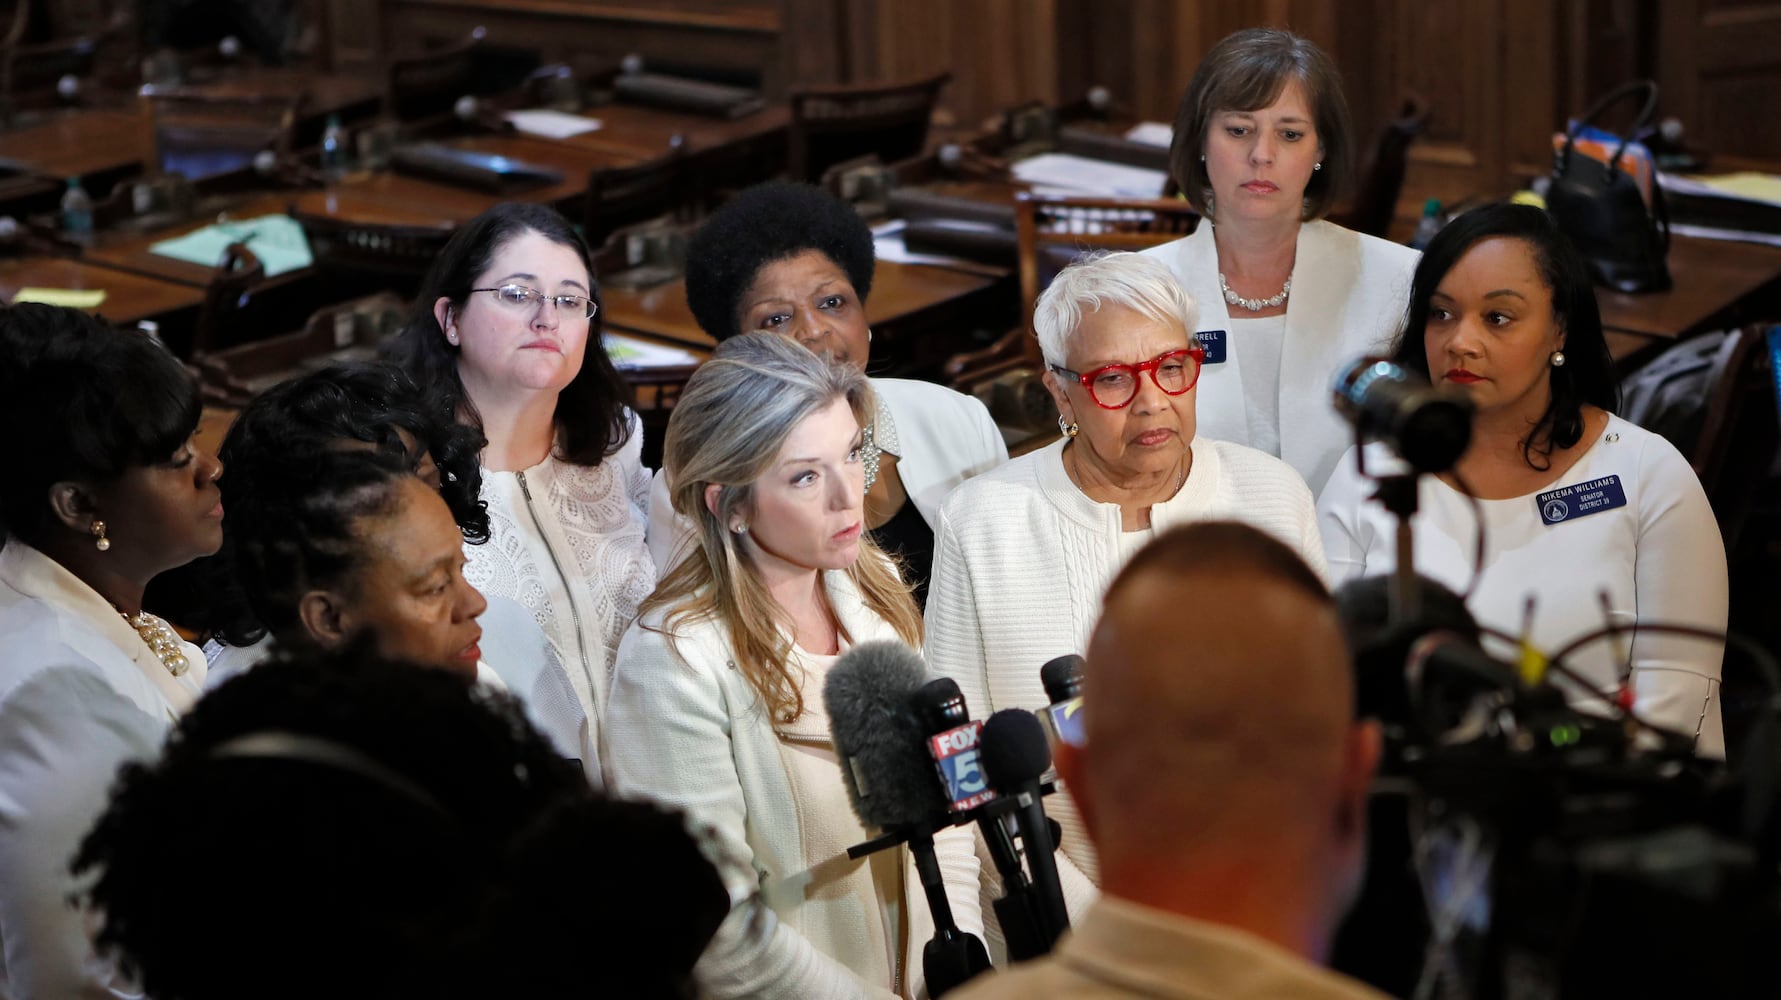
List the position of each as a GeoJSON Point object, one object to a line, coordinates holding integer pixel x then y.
{"type": "Point", "coordinates": [1397, 493]}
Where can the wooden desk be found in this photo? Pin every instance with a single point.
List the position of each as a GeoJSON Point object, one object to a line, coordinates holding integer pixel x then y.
{"type": "Point", "coordinates": [390, 198]}
{"type": "Point", "coordinates": [646, 132]}
{"type": "Point", "coordinates": [83, 143]}
{"type": "Point", "coordinates": [128, 297]}
{"type": "Point", "coordinates": [1716, 283]}
{"type": "Point", "coordinates": [347, 93]}
{"type": "Point", "coordinates": [905, 298]}
{"type": "Point", "coordinates": [130, 251]}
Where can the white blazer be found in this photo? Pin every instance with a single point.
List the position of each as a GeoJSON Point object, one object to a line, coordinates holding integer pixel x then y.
{"type": "Point", "coordinates": [80, 695]}
{"type": "Point", "coordinates": [685, 728]}
{"type": "Point", "coordinates": [1349, 294]}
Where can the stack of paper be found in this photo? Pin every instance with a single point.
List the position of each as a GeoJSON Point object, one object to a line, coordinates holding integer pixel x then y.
{"type": "Point", "coordinates": [1079, 175]}
{"type": "Point", "coordinates": [630, 352]}
{"type": "Point", "coordinates": [551, 124]}
{"type": "Point", "coordinates": [276, 239]}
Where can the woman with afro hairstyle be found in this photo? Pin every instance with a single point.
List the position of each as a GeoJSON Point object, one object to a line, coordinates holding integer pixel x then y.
{"type": "Point", "coordinates": [790, 259]}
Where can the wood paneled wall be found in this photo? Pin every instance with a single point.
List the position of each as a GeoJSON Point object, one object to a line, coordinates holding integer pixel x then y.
{"type": "Point", "coordinates": [1500, 75]}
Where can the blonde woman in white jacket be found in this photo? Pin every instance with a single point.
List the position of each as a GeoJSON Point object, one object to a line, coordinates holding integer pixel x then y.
{"type": "Point", "coordinates": [715, 704]}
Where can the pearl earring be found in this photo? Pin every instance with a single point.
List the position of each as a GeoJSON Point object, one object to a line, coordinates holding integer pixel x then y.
{"type": "Point", "coordinates": [1558, 359]}
{"type": "Point", "coordinates": [1317, 166]}
{"type": "Point", "coordinates": [100, 542]}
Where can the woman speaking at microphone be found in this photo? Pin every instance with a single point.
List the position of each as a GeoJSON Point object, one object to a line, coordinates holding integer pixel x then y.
{"type": "Point", "coordinates": [716, 704]}
{"type": "Point", "coordinates": [1586, 516]}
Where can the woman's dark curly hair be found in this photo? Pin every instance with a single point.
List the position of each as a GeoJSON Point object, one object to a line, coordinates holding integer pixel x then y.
{"type": "Point", "coordinates": [279, 500]}
{"type": "Point", "coordinates": [84, 402]}
{"type": "Point", "coordinates": [1586, 377]}
{"type": "Point", "coordinates": [762, 225]}
{"type": "Point", "coordinates": [291, 524]}
{"type": "Point", "coordinates": [341, 825]}
{"type": "Point", "coordinates": [591, 416]}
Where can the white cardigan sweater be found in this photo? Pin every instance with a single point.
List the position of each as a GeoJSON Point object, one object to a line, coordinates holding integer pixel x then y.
{"type": "Point", "coordinates": [566, 544]}
{"type": "Point", "coordinates": [1349, 294]}
{"type": "Point", "coordinates": [1022, 558]}
{"type": "Point", "coordinates": [685, 728]}
{"type": "Point", "coordinates": [80, 694]}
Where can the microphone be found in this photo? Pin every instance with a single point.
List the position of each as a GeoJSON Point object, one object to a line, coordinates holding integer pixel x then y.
{"type": "Point", "coordinates": [881, 743]}
{"type": "Point", "coordinates": [954, 744]}
{"type": "Point", "coordinates": [1062, 678]}
{"type": "Point", "coordinates": [1015, 757]}
{"type": "Point", "coordinates": [1427, 427]}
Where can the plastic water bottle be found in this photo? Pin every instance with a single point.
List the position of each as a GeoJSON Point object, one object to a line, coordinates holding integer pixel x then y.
{"type": "Point", "coordinates": [1429, 226]}
{"type": "Point", "coordinates": [77, 213]}
{"type": "Point", "coordinates": [333, 150]}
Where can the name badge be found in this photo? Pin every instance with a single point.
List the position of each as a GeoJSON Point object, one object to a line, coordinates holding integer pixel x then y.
{"type": "Point", "coordinates": [1214, 343]}
{"type": "Point", "coordinates": [1567, 503]}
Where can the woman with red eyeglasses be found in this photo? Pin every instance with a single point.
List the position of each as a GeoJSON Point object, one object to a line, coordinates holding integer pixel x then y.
{"type": "Point", "coordinates": [1023, 553]}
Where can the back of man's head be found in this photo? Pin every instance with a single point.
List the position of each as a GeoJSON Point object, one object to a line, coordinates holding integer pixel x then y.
{"type": "Point", "coordinates": [1224, 774]}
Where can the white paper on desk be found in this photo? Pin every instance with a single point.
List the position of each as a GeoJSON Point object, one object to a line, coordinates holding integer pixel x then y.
{"type": "Point", "coordinates": [551, 124]}
{"type": "Point", "coordinates": [1730, 235]}
{"type": "Point", "coordinates": [887, 243]}
{"type": "Point", "coordinates": [630, 352]}
{"type": "Point", "coordinates": [1152, 134]}
{"type": "Point", "coordinates": [1747, 186]}
{"type": "Point", "coordinates": [1087, 176]}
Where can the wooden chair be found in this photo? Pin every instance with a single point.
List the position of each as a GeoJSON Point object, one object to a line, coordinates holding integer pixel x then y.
{"type": "Point", "coordinates": [348, 331]}
{"type": "Point", "coordinates": [1740, 432]}
{"type": "Point", "coordinates": [226, 299]}
{"type": "Point", "coordinates": [203, 137]}
{"type": "Point", "coordinates": [1382, 177]}
{"type": "Point", "coordinates": [1052, 231]}
{"type": "Point", "coordinates": [393, 255]}
{"type": "Point", "coordinates": [831, 124]}
{"type": "Point", "coordinates": [422, 90]}
{"type": "Point", "coordinates": [623, 196]}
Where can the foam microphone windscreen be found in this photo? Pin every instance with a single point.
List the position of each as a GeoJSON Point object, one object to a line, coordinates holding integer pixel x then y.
{"type": "Point", "coordinates": [1015, 751]}
{"type": "Point", "coordinates": [1062, 677]}
{"type": "Point", "coordinates": [869, 696]}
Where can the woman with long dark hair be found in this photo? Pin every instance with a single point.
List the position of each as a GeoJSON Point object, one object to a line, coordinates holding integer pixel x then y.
{"type": "Point", "coordinates": [1586, 518]}
{"type": "Point", "coordinates": [506, 332]}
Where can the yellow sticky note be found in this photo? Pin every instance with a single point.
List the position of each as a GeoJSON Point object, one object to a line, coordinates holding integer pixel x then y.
{"type": "Point", "coordinates": [73, 298]}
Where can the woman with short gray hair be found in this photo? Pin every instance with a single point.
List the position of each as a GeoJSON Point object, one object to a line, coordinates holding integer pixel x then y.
{"type": "Point", "coordinates": [1023, 553]}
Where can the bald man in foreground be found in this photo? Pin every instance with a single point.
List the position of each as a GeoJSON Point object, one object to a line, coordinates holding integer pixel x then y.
{"type": "Point", "coordinates": [1224, 782]}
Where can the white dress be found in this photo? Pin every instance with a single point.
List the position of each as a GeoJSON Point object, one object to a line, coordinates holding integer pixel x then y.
{"type": "Point", "coordinates": [1637, 527]}
{"type": "Point", "coordinates": [80, 695]}
{"type": "Point", "coordinates": [567, 544]}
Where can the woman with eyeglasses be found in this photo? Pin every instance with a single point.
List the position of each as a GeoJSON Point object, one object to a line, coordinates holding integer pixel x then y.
{"type": "Point", "coordinates": [1023, 553]}
{"type": "Point", "coordinates": [507, 331]}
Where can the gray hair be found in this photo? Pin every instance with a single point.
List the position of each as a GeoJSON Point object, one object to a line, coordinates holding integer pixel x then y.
{"type": "Point", "coordinates": [1142, 284]}
{"type": "Point", "coordinates": [736, 411]}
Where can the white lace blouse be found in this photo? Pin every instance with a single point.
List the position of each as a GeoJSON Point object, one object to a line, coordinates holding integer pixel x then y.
{"type": "Point", "coordinates": [566, 543]}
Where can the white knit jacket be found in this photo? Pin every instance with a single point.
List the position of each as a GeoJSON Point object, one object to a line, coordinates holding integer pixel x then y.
{"type": "Point", "coordinates": [1022, 558]}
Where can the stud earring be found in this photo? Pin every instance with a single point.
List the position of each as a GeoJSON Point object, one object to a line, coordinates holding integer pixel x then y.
{"type": "Point", "coordinates": [740, 528]}
{"type": "Point", "coordinates": [1558, 359]}
{"type": "Point", "coordinates": [1317, 166]}
{"type": "Point", "coordinates": [1067, 427]}
{"type": "Point", "coordinates": [100, 542]}
{"type": "Point", "coordinates": [452, 339]}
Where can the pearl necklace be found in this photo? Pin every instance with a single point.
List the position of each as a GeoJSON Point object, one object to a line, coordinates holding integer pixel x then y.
{"type": "Point", "coordinates": [1253, 305]}
{"type": "Point", "coordinates": [161, 638]}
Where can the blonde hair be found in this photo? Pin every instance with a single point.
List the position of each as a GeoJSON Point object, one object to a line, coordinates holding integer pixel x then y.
{"type": "Point", "coordinates": [727, 428]}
